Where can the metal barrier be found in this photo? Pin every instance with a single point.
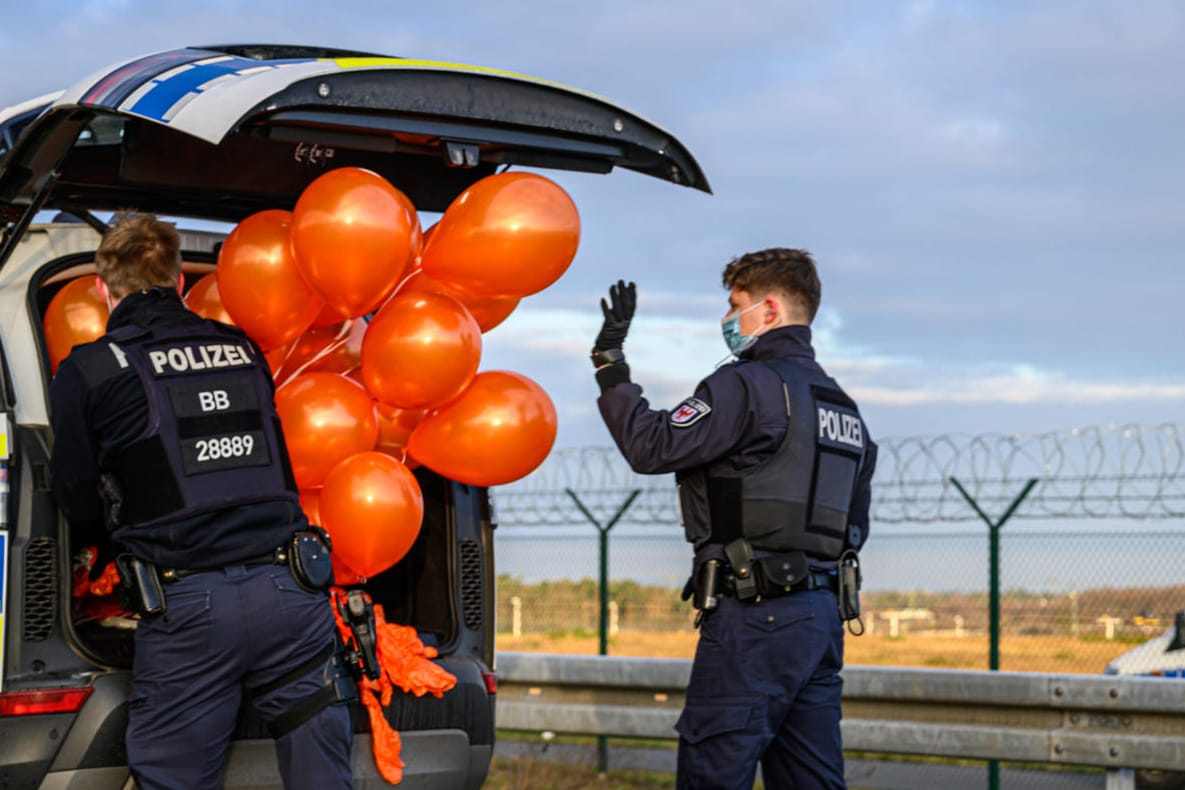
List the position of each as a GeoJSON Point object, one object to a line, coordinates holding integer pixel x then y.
{"type": "Point", "coordinates": [1118, 723]}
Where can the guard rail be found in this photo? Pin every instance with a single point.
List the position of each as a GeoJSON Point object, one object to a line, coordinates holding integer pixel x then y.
{"type": "Point", "coordinates": [1106, 721]}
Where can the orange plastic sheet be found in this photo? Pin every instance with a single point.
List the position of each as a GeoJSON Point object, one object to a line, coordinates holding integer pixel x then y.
{"type": "Point", "coordinates": [404, 663]}
{"type": "Point", "coordinates": [98, 598]}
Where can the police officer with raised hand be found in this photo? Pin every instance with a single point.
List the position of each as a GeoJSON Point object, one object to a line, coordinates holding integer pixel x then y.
{"type": "Point", "coordinates": [166, 436]}
{"type": "Point", "coordinates": [773, 465]}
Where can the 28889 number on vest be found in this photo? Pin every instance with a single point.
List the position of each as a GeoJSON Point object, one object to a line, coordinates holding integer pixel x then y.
{"type": "Point", "coordinates": [219, 424]}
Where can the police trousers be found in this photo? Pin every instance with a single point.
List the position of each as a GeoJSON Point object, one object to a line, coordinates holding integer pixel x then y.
{"type": "Point", "coordinates": [765, 688]}
{"type": "Point", "coordinates": [224, 633]}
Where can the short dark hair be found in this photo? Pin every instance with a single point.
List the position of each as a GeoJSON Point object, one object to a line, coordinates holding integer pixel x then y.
{"type": "Point", "coordinates": [790, 272]}
{"type": "Point", "coordinates": [138, 252]}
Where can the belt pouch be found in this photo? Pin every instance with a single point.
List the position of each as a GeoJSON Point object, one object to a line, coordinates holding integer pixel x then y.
{"type": "Point", "coordinates": [781, 571]}
{"type": "Point", "coordinates": [308, 560]}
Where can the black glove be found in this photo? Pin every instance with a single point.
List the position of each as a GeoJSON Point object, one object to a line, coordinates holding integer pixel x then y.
{"type": "Point", "coordinates": [618, 313]}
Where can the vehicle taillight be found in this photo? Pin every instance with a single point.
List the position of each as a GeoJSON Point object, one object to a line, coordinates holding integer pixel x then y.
{"type": "Point", "coordinates": [35, 703]}
{"type": "Point", "coordinates": [491, 681]}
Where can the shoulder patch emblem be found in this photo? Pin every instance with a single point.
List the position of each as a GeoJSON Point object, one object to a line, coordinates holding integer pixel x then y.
{"type": "Point", "coordinates": [689, 412]}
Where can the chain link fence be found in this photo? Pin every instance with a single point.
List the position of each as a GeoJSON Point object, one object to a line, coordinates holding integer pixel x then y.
{"type": "Point", "coordinates": [1088, 561]}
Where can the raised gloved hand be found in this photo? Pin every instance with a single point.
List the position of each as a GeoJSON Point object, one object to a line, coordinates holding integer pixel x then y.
{"type": "Point", "coordinates": [619, 311]}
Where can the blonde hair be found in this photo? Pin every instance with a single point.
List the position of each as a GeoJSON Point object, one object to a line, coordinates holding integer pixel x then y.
{"type": "Point", "coordinates": [138, 252]}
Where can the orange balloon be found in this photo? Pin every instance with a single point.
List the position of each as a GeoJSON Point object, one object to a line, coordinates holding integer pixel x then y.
{"type": "Point", "coordinates": [329, 315]}
{"type": "Point", "coordinates": [275, 357]}
{"type": "Point", "coordinates": [352, 234]}
{"type": "Point", "coordinates": [326, 418]}
{"type": "Point", "coordinates": [373, 508]}
{"type": "Point", "coordinates": [310, 503]}
{"type": "Point", "coordinates": [487, 311]}
{"type": "Point", "coordinates": [395, 427]}
{"type": "Point", "coordinates": [343, 575]}
{"type": "Point", "coordinates": [499, 430]}
{"type": "Point", "coordinates": [260, 283]}
{"type": "Point", "coordinates": [420, 351]}
{"type": "Point", "coordinates": [328, 349]}
{"type": "Point", "coordinates": [417, 230]}
{"type": "Point", "coordinates": [510, 234]}
{"type": "Point", "coordinates": [76, 314]}
{"type": "Point", "coordinates": [203, 298]}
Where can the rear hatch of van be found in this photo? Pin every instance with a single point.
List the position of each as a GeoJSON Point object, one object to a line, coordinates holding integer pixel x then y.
{"type": "Point", "coordinates": [218, 133]}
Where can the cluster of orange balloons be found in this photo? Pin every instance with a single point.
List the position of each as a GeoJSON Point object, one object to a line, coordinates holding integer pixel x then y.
{"type": "Point", "coordinates": [373, 331]}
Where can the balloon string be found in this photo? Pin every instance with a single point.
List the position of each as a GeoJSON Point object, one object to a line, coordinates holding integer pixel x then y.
{"type": "Point", "coordinates": [340, 339]}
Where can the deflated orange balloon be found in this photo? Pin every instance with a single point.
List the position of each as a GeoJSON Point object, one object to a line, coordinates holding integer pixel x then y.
{"type": "Point", "coordinates": [510, 234]}
{"type": "Point", "coordinates": [328, 349]}
{"type": "Point", "coordinates": [420, 351]}
{"type": "Point", "coordinates": [76, 314]}
{"type": "Point", "coordinates": [373, 508]}
{"type": "Point", "coordinates": [203, 298]}
{"type": "Point", "coordinates": [352, 234]}
{"type": "Point", "coordinates": [260, 283]}
{"type": "Point", "coordinates": [487, 311]}
{"type": "Point", "coordinates": [500, 429]}
{"type": "Point", "coordinates": [326, 419]}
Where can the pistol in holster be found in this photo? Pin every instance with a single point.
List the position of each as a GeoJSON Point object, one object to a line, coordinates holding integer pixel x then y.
{"type": "Point", "coordinates": [704, 588]}
{"type": "Point", "coordinates": [140, 586]}
{"type": "Point", "coordinates": [848, 589]}
{"type": "Point", "coordinates": [361, 652]}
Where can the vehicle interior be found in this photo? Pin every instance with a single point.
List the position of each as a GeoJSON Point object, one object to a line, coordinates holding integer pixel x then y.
{"type": "Point", "coordinates": [417, 591]}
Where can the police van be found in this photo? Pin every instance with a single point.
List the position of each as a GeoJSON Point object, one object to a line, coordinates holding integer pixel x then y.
{"type": "Point", "coordinates": [214, 134]}
{"type": "Point", "coordinates": [1162, 656]}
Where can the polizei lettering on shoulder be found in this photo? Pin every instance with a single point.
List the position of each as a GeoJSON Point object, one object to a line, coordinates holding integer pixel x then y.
{"type": "Point", "coordinates": [198, 356]}
{"type": "Point", "coordinates": [837, 426]}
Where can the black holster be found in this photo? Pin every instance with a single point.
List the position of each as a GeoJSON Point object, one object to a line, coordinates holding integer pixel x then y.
{"type": "Point", "coordinates": [361, 652]}
{"type": "Point", "coordinates": [140, 586]}
{"type": "Point", "coordinates": [848, 592]}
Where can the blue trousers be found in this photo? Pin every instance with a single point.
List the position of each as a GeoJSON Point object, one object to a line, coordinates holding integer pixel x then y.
{"type": "Point", "coordinates": [223, 634]}
{"type": "Point", "coordinates": [765, 688]}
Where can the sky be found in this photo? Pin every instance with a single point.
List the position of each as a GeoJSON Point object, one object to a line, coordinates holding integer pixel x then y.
{"type": "Point", "coordinates": [994, 191]}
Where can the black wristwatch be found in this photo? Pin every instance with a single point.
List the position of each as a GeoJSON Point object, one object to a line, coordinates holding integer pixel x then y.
{"type": "Point", "coordinates": [609, 356]}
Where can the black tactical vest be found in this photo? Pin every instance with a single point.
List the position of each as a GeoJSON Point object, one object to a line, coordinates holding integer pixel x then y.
{"type": "Point", "coordinates": [798, 499]}
{"type": "Point", "coordinates": [213, 439]}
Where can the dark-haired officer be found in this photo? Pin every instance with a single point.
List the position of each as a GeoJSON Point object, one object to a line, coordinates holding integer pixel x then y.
{"type": "Point", "coordinates": [774, 465]}
{"type": "Point", "coordinates": [166, 436]}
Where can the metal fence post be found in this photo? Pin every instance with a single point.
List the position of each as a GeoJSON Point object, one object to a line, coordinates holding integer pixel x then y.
{"type": "Point", "coordinates": [603, 584]}
{"type": "Point", "coordinates": [994, 588]}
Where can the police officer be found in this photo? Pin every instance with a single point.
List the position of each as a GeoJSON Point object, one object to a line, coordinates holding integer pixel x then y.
{"type": "Point", "coordinates": [166, 435]}
{"type": "Point", "coordinates": [773, 464]}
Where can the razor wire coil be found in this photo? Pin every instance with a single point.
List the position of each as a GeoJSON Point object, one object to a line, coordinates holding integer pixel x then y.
{"type": "Point", "coordinates": [1125, 471]}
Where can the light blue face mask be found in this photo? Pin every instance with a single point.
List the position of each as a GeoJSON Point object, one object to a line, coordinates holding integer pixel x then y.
{"type": "Point", "coordinates": [730, 327]}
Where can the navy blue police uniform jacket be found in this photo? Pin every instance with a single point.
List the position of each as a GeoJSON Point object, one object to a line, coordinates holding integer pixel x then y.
{"type": "Point", "coordinates": [88, 424]}
{"type": "Point", "coordinates": [737, 416]}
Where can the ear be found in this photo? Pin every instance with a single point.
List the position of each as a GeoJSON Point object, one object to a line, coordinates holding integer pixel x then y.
{"type": "Point", "coordinates": [181, 284]}
{"type": "Point", "coordinates": [773, 309]}
{"type": "Point", "coordinates": [102, 286]}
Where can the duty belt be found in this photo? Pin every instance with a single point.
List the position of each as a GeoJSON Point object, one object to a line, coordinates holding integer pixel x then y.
{"type": "Point", "coordinates": [813, 580]}
{"type": "Point", "coordinates": [277, 556]}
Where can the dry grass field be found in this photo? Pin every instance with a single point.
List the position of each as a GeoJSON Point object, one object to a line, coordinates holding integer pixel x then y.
{"type": "Point", "coordinates": [1040, 653]}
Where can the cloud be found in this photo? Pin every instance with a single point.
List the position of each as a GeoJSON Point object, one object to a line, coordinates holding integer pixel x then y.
{"type": "Point", "coordinates": [669, 354]}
